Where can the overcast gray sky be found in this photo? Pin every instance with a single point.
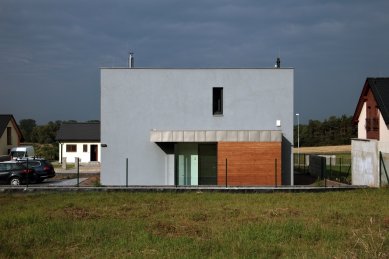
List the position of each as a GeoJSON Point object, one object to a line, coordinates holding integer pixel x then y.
{"type": "Point", "coordinates": [51, 51]}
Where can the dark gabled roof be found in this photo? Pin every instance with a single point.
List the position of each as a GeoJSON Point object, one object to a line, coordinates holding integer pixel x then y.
{"type": "Point", "coordinates": [79, 132]}
{"type": "Point", "coordinates": [4, 120]}
{"type": "Point", "coordinates": [380, 89]}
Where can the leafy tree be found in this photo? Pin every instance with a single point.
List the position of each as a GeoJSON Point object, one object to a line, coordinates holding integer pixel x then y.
{"type": "Point", "coordinates": [45, 134]}
{"type": "Point", "coordinates": [26, 127]}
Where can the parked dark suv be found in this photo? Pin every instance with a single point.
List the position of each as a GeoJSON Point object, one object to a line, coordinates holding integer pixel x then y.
{"type": "Point", "coordinates": [43, 168]}
{"type": "Point", "coordinates": [14, 173]}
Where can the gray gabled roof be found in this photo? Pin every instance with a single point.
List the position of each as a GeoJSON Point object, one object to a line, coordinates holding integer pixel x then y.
{"type": "Point", "coordinates": [4, 120]}
{"type": "Point", "coordinates": [79, 132]}
{"type": "Point", "coordinates": [380, 88]}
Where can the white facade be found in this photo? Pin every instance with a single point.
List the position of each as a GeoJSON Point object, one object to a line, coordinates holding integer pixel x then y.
{"type": "Point", "coordinates": [361, 123]}
{"type": "Point", "coordinates": [384, 131]}
{"type": "Point", "coordinates": [85, 151]}
{"type": "Point", "coordinates": [135, 102]}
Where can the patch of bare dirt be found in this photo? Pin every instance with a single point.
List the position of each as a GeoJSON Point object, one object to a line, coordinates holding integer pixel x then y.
{"type": "Point", "coordinates": [91, 181]}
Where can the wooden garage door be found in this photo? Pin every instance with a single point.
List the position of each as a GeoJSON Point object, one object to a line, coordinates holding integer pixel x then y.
{"type": "Point", "coordinates": [249, 163]}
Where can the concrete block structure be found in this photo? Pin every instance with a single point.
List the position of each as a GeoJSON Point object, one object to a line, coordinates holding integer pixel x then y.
{"type": "Point", "coordinates": [197, 126]}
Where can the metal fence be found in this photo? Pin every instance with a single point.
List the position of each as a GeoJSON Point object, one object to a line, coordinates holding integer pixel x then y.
{"type": "Point", "coordinates": [337, 166]}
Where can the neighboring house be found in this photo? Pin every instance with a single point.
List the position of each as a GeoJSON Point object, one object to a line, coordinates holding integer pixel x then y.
{"type": "Point", "coordinates": [197, 126]}
{"type": "Point", "coordinates": [372, 117]}
{"type": "Point", "coordinates": [10, 134]}
{"type": "Point", "coordinates": [80, 140]}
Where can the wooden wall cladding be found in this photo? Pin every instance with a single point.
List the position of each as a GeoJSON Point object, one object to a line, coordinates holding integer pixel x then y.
{"type": "Point", "coordinates": [248, 163]}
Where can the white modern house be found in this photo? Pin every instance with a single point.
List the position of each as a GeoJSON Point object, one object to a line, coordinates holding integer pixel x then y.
{"type": "Point", "coordinates": [205, 126]}
{"type": "Point", "coordinates": [80, 140]}
{"type": "Point", "coordinates": [370, 151]}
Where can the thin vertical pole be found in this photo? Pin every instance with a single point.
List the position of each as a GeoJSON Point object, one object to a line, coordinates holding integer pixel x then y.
{"type": "Point", "coordinates": [78, 171]}
{"type": "Point", "coordinates": [28, 172]}
{"type": "Point", "coordinates": [384, 167]}
{"type": "Point", "coordinates": [298, 138]}
{"type": "Point", "coordinates": [126, 172]}
{"type": "Point", "coordinates": [330, 167]}
{"type": "Point", "coordinates": [226, 172]}
{"type": "Point", "coordinates": [275, 171]}
{"type": "Point", "coordinates": [379, 172]}
{"type": "Point", "coordinates": [340, 168]}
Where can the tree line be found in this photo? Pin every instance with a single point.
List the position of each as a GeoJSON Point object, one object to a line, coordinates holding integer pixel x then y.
{"type": "Point", "coordinates": [330, 132]}
{"type": "Point", "coordinates": [43, 134]}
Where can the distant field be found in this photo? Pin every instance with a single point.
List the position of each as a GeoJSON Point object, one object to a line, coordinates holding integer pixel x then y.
{"type": "Point", "coordinates": [324, 149]}
{"type": "Point", "coordinates": [353, 224]}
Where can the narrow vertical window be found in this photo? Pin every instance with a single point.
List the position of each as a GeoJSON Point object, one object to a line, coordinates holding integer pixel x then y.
{"type": "Point", "coordinates": [9, 136]}
{"type": "Point", "coordinates": [217, 100]}
{"type": "Point", "coordinates": [85, 148]}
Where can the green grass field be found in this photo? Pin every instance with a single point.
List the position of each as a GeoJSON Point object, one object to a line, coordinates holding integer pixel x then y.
{"type": "Point", "coordinates": [353, 224]}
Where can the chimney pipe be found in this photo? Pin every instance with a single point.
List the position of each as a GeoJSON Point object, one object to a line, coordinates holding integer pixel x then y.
{"type": "Point", "coordinates": [130, 59]}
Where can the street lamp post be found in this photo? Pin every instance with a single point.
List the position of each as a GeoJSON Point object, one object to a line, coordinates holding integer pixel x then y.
{"type": "Point", "coordinates": [298, 138]}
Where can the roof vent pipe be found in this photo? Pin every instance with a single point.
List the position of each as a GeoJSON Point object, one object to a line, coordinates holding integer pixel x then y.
{"type": "Point", "coordinates": [278, 63]}
{"type": "Point", "coordinates": [130, 59]}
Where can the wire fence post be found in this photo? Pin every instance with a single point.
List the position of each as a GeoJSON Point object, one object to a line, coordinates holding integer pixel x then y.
{"type": "Point", "coordinates": [226, 172]}
{"type": "Point", "coordinates": [126, 172]}
{"type": "Point", "coordinates": [340, 168]}
{"type": "Point", "coordinates": [330, 167]}
{"type": "Point", "coordinates": [78, 170]}
{"type": "Point", "coordinates": [384, 167]}
{"type": "Point", "coordinates": [275, 171]}
{"type": "Point", "coordinates": [28, 173]}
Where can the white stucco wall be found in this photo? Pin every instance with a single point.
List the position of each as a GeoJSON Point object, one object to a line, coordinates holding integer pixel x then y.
{"type": "Point", "coordinates": [362, 123]}
{"type": "Point", "coordinates": [135, 101]}
{"type": "Point", "coordinates": [84, 156]}
{"type": "Point", "coordinates": [384, 130]}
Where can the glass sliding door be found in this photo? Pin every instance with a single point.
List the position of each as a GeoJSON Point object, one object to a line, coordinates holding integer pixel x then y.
{"type": "Point", "coordinates": [186, 157]}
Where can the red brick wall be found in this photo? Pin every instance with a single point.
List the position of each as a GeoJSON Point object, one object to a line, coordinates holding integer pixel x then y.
{"type": "Point", "coordinates": [372, 117]}
{"type": "Point", "coordinates": [249, 163]}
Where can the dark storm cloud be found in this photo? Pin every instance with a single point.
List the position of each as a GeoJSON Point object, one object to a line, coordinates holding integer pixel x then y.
{"type": "Point", "coordinates": [51, 50]}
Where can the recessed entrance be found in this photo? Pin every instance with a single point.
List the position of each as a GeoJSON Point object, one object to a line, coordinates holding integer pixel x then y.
{"type": "Point", "coordinates": [195, 164]}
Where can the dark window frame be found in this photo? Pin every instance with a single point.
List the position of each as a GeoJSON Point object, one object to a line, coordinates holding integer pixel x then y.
{"type": "Point", "coordinates": [217, 101]}
{"type": "Point", "coordinates": [71, 148]}
{"type": "Point", "coordinates": [9, 136]}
